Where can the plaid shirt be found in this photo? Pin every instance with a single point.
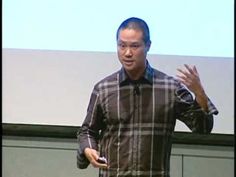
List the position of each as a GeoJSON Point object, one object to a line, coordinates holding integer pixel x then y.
{"type": "Point", "coordinates": [132, 123]}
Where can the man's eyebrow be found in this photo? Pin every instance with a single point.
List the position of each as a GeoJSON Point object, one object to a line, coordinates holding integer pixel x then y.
{"type": "Point", "coordinates": [125, 42]}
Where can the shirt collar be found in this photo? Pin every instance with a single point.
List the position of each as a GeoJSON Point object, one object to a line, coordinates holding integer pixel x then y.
{"type": "Point", "coordinates": [147, 77]}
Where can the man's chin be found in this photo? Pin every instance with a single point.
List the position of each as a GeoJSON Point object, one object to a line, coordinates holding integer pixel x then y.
{"type": "Point", "coordinates": [128, 68]}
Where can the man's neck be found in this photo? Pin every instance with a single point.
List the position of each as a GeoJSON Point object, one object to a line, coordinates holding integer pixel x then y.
{"type": "Point", "coordinates": [136, 75]}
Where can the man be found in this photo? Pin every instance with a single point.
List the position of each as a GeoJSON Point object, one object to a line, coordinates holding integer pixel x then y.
{"type": "Point", "coordinates": [132, 113]}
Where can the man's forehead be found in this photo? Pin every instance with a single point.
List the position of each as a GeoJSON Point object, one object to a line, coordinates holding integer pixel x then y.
{"type": "Point", "coordinates": [130, 35]}
{"type": "Point", "coordinates": [130, 30]}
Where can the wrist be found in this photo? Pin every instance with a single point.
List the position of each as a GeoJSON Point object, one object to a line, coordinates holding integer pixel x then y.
{"type": "Point", "coordinates": [202, 99]}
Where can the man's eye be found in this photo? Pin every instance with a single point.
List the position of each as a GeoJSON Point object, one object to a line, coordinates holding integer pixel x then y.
{"type": "Point", "coordinates": [135, 46]}
{"type": "Point", "coordinates": [121, 45]}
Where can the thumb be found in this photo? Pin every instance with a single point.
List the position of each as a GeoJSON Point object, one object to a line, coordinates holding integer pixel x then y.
{"type": "Point", "coordinates": [91, 154]}
{"type": "Point", "coordinates": [95, 154]}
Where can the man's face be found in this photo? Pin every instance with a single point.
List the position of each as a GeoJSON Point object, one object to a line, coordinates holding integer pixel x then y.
{"type": "Point", "coordinates": [132, 50]}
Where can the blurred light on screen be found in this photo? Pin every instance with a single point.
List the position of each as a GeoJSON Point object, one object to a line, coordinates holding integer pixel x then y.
{"type": "Point", "coordinates": [183, 27]}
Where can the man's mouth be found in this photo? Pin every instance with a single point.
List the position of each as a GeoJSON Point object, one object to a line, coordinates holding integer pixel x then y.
{"type": "Point", "coordinates": [128, 62]}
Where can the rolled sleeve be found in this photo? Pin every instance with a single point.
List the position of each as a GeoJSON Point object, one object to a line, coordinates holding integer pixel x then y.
{"type": "Point", "coordinates": [211, 108]}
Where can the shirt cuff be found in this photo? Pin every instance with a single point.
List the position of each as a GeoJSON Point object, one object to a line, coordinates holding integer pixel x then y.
{"type": "Point", "coordinates": [210, 106]}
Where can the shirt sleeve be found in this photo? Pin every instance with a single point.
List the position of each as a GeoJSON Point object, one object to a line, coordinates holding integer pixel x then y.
{"type": "Point", "coordinates": [82, 161]}
{"type": "Point", "coordinates": [188, 111]}
{"type": "Point", "coordinates": [88, 135]}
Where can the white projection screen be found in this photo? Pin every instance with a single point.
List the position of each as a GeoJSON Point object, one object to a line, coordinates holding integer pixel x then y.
{"type": "Point", "coordinates": [55, 52]}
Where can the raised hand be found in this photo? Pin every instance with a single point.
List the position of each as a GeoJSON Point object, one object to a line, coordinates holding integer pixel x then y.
{"type": "Point", "coordinates": [190, 78]}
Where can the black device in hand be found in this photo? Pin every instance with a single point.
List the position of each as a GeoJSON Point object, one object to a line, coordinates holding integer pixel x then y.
{"type": "Point", "coordinates": [102, 160]}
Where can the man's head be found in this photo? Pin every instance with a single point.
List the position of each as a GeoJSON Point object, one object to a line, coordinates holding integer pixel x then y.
{"type": "Point", "coordinates": [135, 24]}
{"type": "Point", "coordinates": [133, 43]}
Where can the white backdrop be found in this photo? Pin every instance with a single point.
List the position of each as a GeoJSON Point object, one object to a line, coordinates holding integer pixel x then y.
{"type": "Point", "coordinates": [177, 27]}
{"type": "Point", "coordinates": [53, 87]}
{"type": "Point", "coordinates": [44, 67]}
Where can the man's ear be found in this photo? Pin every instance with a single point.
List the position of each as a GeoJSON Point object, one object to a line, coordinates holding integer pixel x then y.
{"type": "Point", "coordinates": [148, 45]}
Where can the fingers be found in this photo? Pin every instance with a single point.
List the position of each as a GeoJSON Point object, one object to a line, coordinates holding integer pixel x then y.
{"type": "Point", "coordinates": [188, 75]}
{"type": "Point", "coordinates": [190, 78]}
{"type": "Point", "coordinates": [96, 164]}
{"type": "Point", "coordinates": [92, 156]}
{"type": "Point", "coordinates": [184, 75]}
{"type": "Point", "coordinates": [189, 70]}
{"type": "Point", "coordinates": [195, 70]}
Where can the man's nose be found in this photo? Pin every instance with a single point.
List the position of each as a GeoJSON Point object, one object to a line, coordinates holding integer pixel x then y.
{"type": "Point", "coordinates": [128, 52]}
